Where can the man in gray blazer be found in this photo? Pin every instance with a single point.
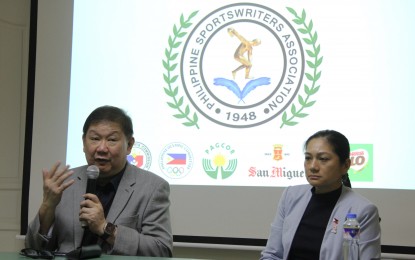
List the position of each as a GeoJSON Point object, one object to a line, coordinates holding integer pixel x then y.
{"type": "Point", "coordinates": [128, 215]}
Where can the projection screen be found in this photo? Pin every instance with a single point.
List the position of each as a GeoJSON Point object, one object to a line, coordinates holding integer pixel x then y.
{"type": "Point", "coordinates": [229, 139]}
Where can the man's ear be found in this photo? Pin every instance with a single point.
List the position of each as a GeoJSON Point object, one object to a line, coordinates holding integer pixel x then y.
{"type": "Point", "coordinates": [130, 144]}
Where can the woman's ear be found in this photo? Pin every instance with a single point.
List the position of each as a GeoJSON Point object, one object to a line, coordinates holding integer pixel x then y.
{"type": "Point", "coordinates": [347, 164]}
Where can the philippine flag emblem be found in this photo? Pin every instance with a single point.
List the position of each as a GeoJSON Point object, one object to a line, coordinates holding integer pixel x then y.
{"type": "Point", "coordinates": [177, 158]}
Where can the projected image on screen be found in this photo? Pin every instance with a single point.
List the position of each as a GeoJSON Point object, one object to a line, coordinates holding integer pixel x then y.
{"type": "Point", "coordinates": [226, 94]}
{"type": "Point", "coordinates": [223, 96]}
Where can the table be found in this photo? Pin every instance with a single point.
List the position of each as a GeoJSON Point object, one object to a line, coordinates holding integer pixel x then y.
{"type": "Point", "coordinates": [17, 256]}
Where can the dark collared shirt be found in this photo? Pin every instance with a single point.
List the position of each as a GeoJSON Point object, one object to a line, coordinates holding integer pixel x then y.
{"type": "Point", "coordinates": [107, 192]}
{"type": "Point", "coordinates": [106, 196]}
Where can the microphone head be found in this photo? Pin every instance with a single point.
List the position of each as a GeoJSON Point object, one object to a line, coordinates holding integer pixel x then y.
{"type": "Point", "coordinates": [92, 172]}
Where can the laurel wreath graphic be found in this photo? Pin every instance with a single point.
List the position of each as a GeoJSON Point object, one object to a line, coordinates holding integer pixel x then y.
{"type": "Point", "coordinates": [170, 65]}
{"type": "Point", "coordinates": [313, 54]}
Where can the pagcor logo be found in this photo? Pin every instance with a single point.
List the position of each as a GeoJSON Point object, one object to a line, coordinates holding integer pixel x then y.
{"type": "Point", "coordinates": [220, 161]}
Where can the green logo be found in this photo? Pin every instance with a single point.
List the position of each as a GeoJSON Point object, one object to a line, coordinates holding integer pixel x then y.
{"type": "Point", "coordinates": [220, 162]}
{"type": "Point", "coordinates": [170, 78]}
{"type": "Point", "coordinates": [313, 52]}
{"type": "Point", "coordinates": [361, 156]}
{"type": "Point", "coordinates": [278, 88]}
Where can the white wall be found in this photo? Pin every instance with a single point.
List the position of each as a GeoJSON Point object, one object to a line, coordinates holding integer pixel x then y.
{"type": "Point", "coordinates": [14, 32]}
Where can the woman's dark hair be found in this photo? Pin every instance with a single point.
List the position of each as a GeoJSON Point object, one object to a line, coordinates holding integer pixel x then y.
{"type": "Point", "coordinates": [110, 114]}
{"type": "Point", "coordinates": [340, 146]}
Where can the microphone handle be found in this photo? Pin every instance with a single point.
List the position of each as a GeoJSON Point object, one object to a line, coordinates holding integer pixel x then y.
{"type": "Point", "coordinates": [90, 188]}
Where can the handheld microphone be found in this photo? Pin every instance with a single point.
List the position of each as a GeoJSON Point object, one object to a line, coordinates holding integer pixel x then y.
{"type": "Point", "coordinates": [92, 172]}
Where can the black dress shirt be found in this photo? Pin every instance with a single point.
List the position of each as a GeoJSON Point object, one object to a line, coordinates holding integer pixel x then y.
{"type": "Point", "coordinates": [106, 196]}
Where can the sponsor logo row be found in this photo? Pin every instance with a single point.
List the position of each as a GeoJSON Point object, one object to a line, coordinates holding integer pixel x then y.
{"type": "Point", "coordinates": [219, 161]}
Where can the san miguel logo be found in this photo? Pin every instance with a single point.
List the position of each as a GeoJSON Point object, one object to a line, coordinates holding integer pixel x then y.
{"type": "Point", "coordinates": [241, 66]}
{"type": "Point", "coordinates": [277, 152]}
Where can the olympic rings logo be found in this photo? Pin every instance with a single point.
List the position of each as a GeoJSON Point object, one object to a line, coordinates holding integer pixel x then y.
{"type": "Point", "coordinates": [175, 170]}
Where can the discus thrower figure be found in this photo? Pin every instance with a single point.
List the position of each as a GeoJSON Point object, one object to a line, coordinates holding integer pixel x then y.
{"type": "Point", "coordinates": [244, 48]}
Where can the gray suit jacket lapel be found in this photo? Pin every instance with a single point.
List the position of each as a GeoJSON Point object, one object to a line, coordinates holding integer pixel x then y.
{"type": "Point", "coordinates": [123, 195]}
